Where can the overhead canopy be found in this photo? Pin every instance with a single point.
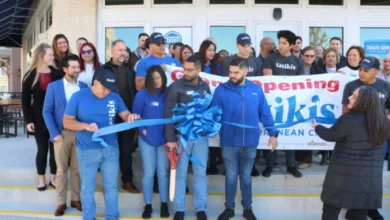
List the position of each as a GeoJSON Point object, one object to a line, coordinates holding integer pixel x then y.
{"type": "Point", "coordinates": [14, 15]}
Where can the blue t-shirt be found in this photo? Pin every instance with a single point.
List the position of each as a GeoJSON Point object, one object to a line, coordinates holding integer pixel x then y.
{"type": "Point", "coordinates": [88, 108]}
{"type": "Point", "coordinates": [144, 64]}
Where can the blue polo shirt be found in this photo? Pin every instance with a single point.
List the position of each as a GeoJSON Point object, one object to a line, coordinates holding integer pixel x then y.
{"type": "Point", "coordinates": [145, 63]}
{"type": "Point", "coordinates": [88, 108]}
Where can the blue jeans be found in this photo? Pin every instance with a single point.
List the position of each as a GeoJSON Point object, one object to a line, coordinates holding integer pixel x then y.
{"type": "Point", "coordinates": [238, 163]}
{"type": "Point", "coordinates": [201, 149]}
{"type": "Point", "coordinates": [154, 157]}
{"type": "Point", "coordinates": [385, 148]}
{"type": "Point", "coordinates": [90, 160]}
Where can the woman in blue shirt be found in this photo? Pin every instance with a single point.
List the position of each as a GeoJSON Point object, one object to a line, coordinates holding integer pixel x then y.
{"type": "Point", "coordinates": [149, 104]}
{"type": "Point", "coordinates": [210, 63]}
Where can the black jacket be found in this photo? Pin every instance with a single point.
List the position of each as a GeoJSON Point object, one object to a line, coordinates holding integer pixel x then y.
{"type": "Point", "coordinates": [354, 176]}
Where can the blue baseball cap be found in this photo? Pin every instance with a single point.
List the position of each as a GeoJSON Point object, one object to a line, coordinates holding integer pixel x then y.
{"type": "Point", "coordinates": [107, 79]}
{"type": "Point", "coordinates": [244, 39]}
{"type": "Point", "coordinates": [369, 63]}
{"type": "Point", "coordinates": [156, 37]}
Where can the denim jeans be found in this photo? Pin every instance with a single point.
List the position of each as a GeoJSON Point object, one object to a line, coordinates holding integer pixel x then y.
{"type": "Point", "coordinates": [154, 158]}
{"type": "Point", "coordinates": [238, 163]}
{"type": "Point", "coordinates": [90, 160]}
{"type": "Point", "coordinates": [201, 149]}
{"type": "Point", "coordinates": [385, 148]}
{"type": "Point", "coordinates": [270, 158]}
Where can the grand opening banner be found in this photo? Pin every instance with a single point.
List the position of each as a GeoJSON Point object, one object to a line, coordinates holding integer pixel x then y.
{"type": "Point", "coordinates": [294, 101]}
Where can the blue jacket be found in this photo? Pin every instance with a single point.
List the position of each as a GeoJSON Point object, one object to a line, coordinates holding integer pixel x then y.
{"type": "Point", "coordinates": [150, 106]}
{"type": "Point", "coordinates": [54, 107]}
{"type": "Point", "coordinates": [246, 105]}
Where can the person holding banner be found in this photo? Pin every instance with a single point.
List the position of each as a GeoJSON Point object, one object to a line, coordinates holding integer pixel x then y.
{"type": "Point", "coordinates": [243, 102]}
{"type": "Point", "coordinates": [354, 176]}
{"type": "Point", "coordinates": [355, 54]}
{"type": "Point", "coordinates": [180, 92]}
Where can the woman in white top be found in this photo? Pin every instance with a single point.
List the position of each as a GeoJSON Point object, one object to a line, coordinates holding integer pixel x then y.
{"type": "Point", "coordinates": [89, 62]}
{"type": "Point", "coordinates": [354, 55]}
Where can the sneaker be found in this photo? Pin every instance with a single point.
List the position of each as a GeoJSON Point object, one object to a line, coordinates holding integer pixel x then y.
{"type": "Point", "coordinates": [375, 215]}
{"type": "Point", "coordinates": [248, 214]}
{"type": "Point", "coordinates": [147, 214]}
{"type": "Point", "coordinates": [212, 170]}
{"type": "Point", "coordinates": [164, 212]}
{"type": "Point", "coordinates": [294, 172]}
{"type": "Point", "coordinates": [267, 172]}
{"type": "Point", "coordinates": [201, 215]}
{"type": "Point", "coordinates": [178, 216]}
{"type": "Point", "coordinates": [255, 172]}
{"type": "Point", "coordinates": [227, 214]}
{"type": "Point", "coordinates": [303, 165]}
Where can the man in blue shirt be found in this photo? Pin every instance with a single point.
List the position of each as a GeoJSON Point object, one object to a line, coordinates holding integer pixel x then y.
{"type": "Point", "coordinates": [57, 95]}
{"type": "Point", "coordinates": [241, 102]}
{"type": "Point", "coordinates": [86, 112]}
{"type": "Point", "coordinates": [157, 57]}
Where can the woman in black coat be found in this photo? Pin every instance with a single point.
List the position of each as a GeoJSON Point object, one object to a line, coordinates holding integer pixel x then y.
{"type": "Point", "coordinates": [354, 177]}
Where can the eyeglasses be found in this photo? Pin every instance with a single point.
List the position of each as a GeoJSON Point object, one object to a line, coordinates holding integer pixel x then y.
{"type": "Point", "coordinates": [223, 55]}
{"type": "Point", "coordinates": [309, 56]}
{"type": "Point", "coordinates": [86, 51]}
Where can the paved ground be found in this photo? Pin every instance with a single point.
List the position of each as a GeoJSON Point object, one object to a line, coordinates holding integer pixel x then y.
{"type": "Point", "coordinates": [7, 217]}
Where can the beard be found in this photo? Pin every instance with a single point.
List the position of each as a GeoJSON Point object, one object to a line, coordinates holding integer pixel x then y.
{"type": "Point", "coordinates": [239, 81]}
{"type": "Point", "coordinates": [121, 59]}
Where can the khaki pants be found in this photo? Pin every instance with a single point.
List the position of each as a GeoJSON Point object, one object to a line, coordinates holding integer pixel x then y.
{"type": "Point", "coordinates": [65, 152]}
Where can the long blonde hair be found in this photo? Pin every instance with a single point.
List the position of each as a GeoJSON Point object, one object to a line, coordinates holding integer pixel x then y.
{"type": "Point", "coordinates": [37, 60]}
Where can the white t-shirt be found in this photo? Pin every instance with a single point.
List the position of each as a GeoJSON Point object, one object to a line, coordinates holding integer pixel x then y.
{"type": "Point", "coordinates": [353, 74]}
{"type": "Point", "coordinates": [87, 75]}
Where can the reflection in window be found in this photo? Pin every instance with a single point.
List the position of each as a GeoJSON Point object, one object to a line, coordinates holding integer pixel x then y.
{"type": "Point", "coordinates": [374, 2]}
{"type": "Point", "coordinates": [124, 2]}
{"type": "Point", "coordinates": [326, 2]}
{"type": "Point", "coordinates": [375, 41]}
{"type": "Point", "coordinates": [226, 37]}
{"type": "Point", "coordinates": [227, 2]}
{"type": "Point", "coordinates": [276, 1]}
{"type": "Point", "coordinates": [158, 2]}
{"type": "Point", "coordinates": [322, 35]}
{"type": "Point", "coordinates": [128, 34]}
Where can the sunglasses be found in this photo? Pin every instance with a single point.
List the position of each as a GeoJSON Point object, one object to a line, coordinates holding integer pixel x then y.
{"type": "Point", "coordinates": [223, 55]}
{"type": "Point", "coordinates": [161, 43]}
{"type": "Point", "coordinates": [309, 56]}
{"type": "Point", "coordinates": [86, 51]}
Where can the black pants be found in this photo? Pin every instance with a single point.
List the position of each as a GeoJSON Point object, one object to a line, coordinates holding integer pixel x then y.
{"type": "Point", "coordinates": [330, 212]}
{"type": "Point", "coordinates": [270, 158]}
{"type": "Point", "coordinates": [214, 152]}
{"type": "Point", "coordinates": [44, 145]}
{"type": "Point", "coordinates": [126, 144]}
{"type": "Point", "coordinates": [304, 156]}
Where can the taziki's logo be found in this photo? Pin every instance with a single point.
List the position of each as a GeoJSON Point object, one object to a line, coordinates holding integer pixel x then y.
{"type": "Point", "coordinates": [157, 36]}
{"type": "Point", "coordinates": [110, 80]}
{"type": "Point", "coordinates": [245, 38]}
{"type": "Point", "coordinates": [366, 60]}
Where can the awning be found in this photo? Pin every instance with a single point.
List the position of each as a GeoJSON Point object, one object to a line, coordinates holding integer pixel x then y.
{"type": "Point", "coordinates": [14, 15]}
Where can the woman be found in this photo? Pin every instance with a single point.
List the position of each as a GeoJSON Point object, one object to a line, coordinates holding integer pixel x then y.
{"type": "Point", "coordinates": [35, 81]}
{"type": "Point", "coordinates": [331, 58]}
{"type": "Point", "coordinates": [185, 52]}
{"type": "Point", "coordinates": [354, 55]}
{"type": "Point", "coordinates": [61, 49]}
{"type": "Point", "coordinates": [149, 104]}
{"type": "Point", "coordinates": [385, 74]}
{"type": "Point", "coordinates": [209, 60]}
{"type": "Point", "coordinates": [354, 177]}
{"type": "Point", "coordinates": [319, 51]}
{"type": "Point", "coordinates": [89, 62]}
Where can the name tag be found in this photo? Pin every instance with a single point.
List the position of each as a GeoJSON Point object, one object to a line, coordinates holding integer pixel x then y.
{"type": "Point", "coordinates": [154, 103]}
{"type": "Point", "coordinates": [190, 92]}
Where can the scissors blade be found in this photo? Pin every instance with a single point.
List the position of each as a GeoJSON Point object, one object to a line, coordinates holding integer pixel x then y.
{"type": "Point", "coordinates": [172, 184]}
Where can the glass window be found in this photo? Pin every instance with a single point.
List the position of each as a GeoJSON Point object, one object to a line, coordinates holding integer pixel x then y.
{"type": "Point", "coordinates": [326, 2]}
{"type": "Point", "coordinates": [374, 2]}
{"type": "Point", "coordinates": [322, 35]}
{"type": "Point", "coordinates": [276, 1]}
{"type": "Point", "coordinates": [3, 88]}
{"type": "Point", "coordinates": [226, 37]}
{"type": "Point", "coordinates": [49, 17]}
{"type": "Point", "coordinates": [124, 2]}
{"type": "Point", "coordinates": [375, 41]}
{"type": "Point", "coordinates": [160, 2]}
{"type": "Point", "coordinates": [128, 34]}
{"type": "Point", "coordinates": [227, 1]}
{"type": "Point", "coordinates": [41, 26]}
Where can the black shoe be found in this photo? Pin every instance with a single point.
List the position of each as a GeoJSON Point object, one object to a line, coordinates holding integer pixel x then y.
{"type": "Point", "coordinates": [248, 214]}
{"type": "Point", "coordinates": [255, 172]}
{"type": "Point", "coordinates": [178, 216]}
{"type": "Point", "coordinates": [374, 214]}
{"type": "Point", "coordinates": [267, 172]}
{"type": "Point", "coordinates": [227, 214]}
{"type": "Point", "coordinates": [43, 188]}
{"type": "Point", "coordinates": [293, 170]}
{"type": "Point", "coordinates": [212, 170]}
{"type": "Point", "coordinates": [51, 185]}
{"type": "Point", "coordinates": [147, 214]}
{"type": "Point", "coordinates": [164, 212]}
{"type": "Point", "coordinates": [201, 215]}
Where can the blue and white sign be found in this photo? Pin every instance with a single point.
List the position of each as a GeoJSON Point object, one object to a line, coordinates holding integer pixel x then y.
{"type": "Point", "coordinates": [172, 37]}
{"type": "Point", "coordinates": [377, 47]}
{"type": "Point", "coordinates": [175, 34]}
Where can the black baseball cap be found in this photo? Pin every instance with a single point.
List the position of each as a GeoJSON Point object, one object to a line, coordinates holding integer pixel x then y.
{"type": "Point", "coordinates": [156, 38]}
{"type": "Point", "coordinates": [107, 79]}
{"type": "Point", "coordinates": [369, 63]}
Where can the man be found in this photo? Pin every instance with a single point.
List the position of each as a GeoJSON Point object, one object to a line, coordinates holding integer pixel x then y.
{"type": "Point", "coordinates": [297, 48]}
{"type": "Point", "coordinates": [125, 87]}
{"type": "Point", "coordinates": [79, 43]}
{"type": "Point", "coordinates": [283, 63]}
{"type": "Point", "coordinates": [241, 102]}
{"type": "Point", "coordinates": [170, 50]}
{"type": "Point", "coordinates": [267, 47]}
{"type": "Point", "coordinates": [86, 112]}
{"type": "Point", "coordinates": [57, 95]}
{"type": "Point", "coordinates": [244, 51]}
{"type": "Point", "coordinates": [336, 43]}
{"type": "Point", "coordinates": [140, 52]}
{"type": "Point", "coordinates": [180, 92]}
{"type": "Point", "coordinates": [157, 57]}
{"type": "Point", "coordinates": [368, 70]}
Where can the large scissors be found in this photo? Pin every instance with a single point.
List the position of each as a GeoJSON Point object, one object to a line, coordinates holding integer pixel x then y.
{"type": "Point", "coordinates": [173, 157]}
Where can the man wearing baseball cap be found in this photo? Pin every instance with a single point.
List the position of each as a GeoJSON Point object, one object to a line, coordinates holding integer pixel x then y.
{"type": "Point", "coordinates": [157, 57]}
{"type": "Point", "coordinates": [88, 110]}
{"type": "Point", "coordinates": [244, 44]}
{"type": "Point", "coordinates": [368, 70]}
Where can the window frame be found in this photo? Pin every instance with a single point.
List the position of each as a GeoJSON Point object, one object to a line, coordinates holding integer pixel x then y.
{"type": "Point", "coordinates": [49, 9]}
{"type": "Point", "coordinates": [187, 24]}
{"type": "Point", "coordinates": [373, 6]}
{"type": "Point", "coordinates": [104, 6]}
{"type": "Point", "coordinates": [227, 24]}
{"type": "Point", "coordinates": [42, 25]}
{"type": "Point", "coordinates": [343, 25]}
{"type": "Point", "coordinates": [299, 5]}
{"type": "Point", "coordinates": [307, 2]}
{"type": "Point", "coordinates": [370, 25]}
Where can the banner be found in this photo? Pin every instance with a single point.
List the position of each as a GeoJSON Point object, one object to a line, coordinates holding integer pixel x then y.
{"type": "Point", "coordinates": [291, 99]}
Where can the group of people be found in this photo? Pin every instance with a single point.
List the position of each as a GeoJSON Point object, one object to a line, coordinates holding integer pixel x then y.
{"type": "Point", "coordinates": [68, 97]}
